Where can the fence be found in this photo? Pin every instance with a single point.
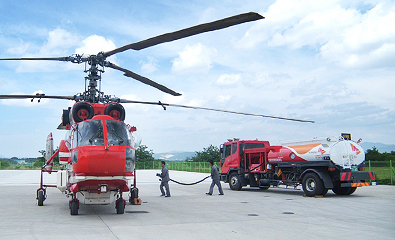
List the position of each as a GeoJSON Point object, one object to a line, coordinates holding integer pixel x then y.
{"type": "Point", "coordinates": [384, 170]}
{"type": "Point", "coordinates": [201, 167]}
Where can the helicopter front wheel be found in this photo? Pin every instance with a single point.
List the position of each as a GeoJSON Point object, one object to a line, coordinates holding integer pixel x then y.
{"type": "Point", "coordinates": [40, 197]}
{"type": "Point", "coordinates": [74, 207]}
{"type": "Point", "coordinates": [120, 206]}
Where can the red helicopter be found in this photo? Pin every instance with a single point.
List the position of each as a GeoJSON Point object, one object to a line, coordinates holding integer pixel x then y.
{"type": "Point", "coordinates": [98, 152]}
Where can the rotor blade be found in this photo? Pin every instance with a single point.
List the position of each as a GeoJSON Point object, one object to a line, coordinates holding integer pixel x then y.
{"type": "Point", "coordinates": [206, 27]}
{"type": "Point", "coordinates": [142, 79]}
{"type": "Point", "coordinates": [33, 58]}
{"type": "Point", "coordinates": [35, 96]}
{"type": "Point", "coordinates": [164, 105]}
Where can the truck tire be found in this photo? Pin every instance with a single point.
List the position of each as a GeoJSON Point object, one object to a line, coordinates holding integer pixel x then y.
{"type": "Point", "coordinates": [343, 190]}
{"type": "Point", "coordinates": [234, 182]}
{"type": "Point", "coordinates": [312, 185]}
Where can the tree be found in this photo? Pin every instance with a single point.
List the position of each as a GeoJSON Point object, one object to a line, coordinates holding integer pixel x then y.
{"type": "Point", "coordinates": [144, 155]}
{"type": "Point", "coordinates": [209, 153]}
{"type": "Point", "coordinates": [55, 159]}
{"type": "Point", "coordinates": [5, 163]}
{"type": "Point", "coordinates": [374, 155]}
{"type": "Point", "coordinates": [38, 163]}
{"type": "Point", "coordinates": [40, 160]}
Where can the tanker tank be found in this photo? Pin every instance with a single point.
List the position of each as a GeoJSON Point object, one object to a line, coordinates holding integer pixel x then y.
{"type": "Point", "coordinates": [342, 151]}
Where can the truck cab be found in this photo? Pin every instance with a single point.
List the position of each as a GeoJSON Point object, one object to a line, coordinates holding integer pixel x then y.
{"type": "Point", "coordinates": [243, 156]}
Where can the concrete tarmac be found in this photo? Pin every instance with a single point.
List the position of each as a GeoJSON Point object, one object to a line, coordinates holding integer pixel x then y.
{"type": "Point", "coordinates": [276, 213]}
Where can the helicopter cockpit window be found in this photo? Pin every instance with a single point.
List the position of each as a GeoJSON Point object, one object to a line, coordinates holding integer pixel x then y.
{"type": "Point", "coordinates": [89, 133]}
{"type": "Point", "coordinates": [118, 134]}
{"type": "Point", "coordinates": [67, 140]}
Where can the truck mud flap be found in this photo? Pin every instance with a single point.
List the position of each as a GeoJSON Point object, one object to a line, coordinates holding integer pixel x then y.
{"type": "Point", "coordinates": [224, 178]}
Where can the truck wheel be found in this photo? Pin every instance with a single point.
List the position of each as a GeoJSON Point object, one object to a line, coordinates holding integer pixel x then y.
{"type": "Point", "coordinates": [343, 190]}
{"type": "Point", "coordinates": [312, 185]}
{"type": "Point", "coordinates": [234, 182]}
{"type": "Point", "coordinates": [264, 187]}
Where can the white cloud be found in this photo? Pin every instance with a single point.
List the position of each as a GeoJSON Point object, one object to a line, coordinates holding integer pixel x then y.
{"type": "Point", "coordinates": [228, 79]}
{"type": "Point", "coordinates": [194, 59]}
{"type": "Point", "coordinates": [338, 31]}
{"type": "Point", "coordinates": [95, 44]}
{"type": "Point", "coordinates": [149, 66]}
{"type": "Point", "coordinates": [58, 41]}
{"type": "Point", "coordinates": [315, 28]}
{"type": "Point", "coordinates": [224, 98]}
{"type": "Point", "coordinates": [369, 43]}
{"type": "Point", "coordinates": [58, 44]}
{"type": "Point", "coordinates": [19, 50]}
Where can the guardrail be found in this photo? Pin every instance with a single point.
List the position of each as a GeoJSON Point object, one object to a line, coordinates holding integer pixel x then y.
{"type": "Point", "coordinates": [384, 170]}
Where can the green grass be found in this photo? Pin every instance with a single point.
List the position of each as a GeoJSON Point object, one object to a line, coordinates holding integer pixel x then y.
{"type": "Point", "coordinates": [383, 175]}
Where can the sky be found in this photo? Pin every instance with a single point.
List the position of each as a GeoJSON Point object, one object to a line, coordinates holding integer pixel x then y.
{"type": "Point", "coordinates": [329, 61]}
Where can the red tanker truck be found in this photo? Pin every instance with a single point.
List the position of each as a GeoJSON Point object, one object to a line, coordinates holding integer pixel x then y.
{"type": "Point", "coordinates": [319, 165]}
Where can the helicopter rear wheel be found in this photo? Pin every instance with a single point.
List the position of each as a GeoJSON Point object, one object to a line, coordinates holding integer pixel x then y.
{"type": "Point", "coordinates": [120, 205]}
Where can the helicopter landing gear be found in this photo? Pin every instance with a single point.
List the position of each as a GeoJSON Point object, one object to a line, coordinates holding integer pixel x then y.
{"type": "Point", "coordinates": [40, 196]}
{"type": "Point", "coordinates": [134, 197]}
{"type": "Point", "coordinates": [120, 204]}
{"type": "Point", "coordinates": [134, 192]}
{"type": "Point", "coordinates": [74, 206]}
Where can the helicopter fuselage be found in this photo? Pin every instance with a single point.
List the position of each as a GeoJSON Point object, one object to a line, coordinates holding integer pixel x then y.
{"type": "Point", "coordinates": [99, 156]}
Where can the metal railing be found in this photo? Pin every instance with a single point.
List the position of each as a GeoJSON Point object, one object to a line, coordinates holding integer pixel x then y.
{"type": "Point", "coordinates": [384, 170]}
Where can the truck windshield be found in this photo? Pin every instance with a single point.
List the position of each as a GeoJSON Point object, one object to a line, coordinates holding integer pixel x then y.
{"type": "Point", "coordinates": [89, 133]}
{"type": "Point", "coordinates": [118, 134]}
{"type": "Point", "coordinates": [254, 145]}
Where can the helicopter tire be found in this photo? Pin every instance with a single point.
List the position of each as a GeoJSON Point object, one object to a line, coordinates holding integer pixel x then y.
{"type": "Point", "coordinates": [120, 206]}
{"type": "Point", "coordinates": [40, 198]}
{"type": "Point", "coordinates": [117, 109]}
{"type": "Point", "coordinates": [80, 109]}
{"type": "Point", "coordinates": [73, 207]}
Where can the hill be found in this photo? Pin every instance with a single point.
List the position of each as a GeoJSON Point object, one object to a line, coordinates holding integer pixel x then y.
{"type": "Point", "coordinates": [381, 147]}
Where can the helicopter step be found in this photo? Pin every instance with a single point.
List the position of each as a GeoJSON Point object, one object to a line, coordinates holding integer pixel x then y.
{"type": "Point", "coordinates": [97, 198]}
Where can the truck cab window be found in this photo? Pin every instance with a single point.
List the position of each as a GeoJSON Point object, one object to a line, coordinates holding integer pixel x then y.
{"type": "Point", "coordinates": [234, 148]}
{"type": "Point", "coordinates": [227, 151]}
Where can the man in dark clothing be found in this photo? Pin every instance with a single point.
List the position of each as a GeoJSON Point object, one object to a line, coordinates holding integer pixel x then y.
{"type": "Point", "coordinates": [215, 178]}
{"type": "Point", "coordinates": [164, 175]}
